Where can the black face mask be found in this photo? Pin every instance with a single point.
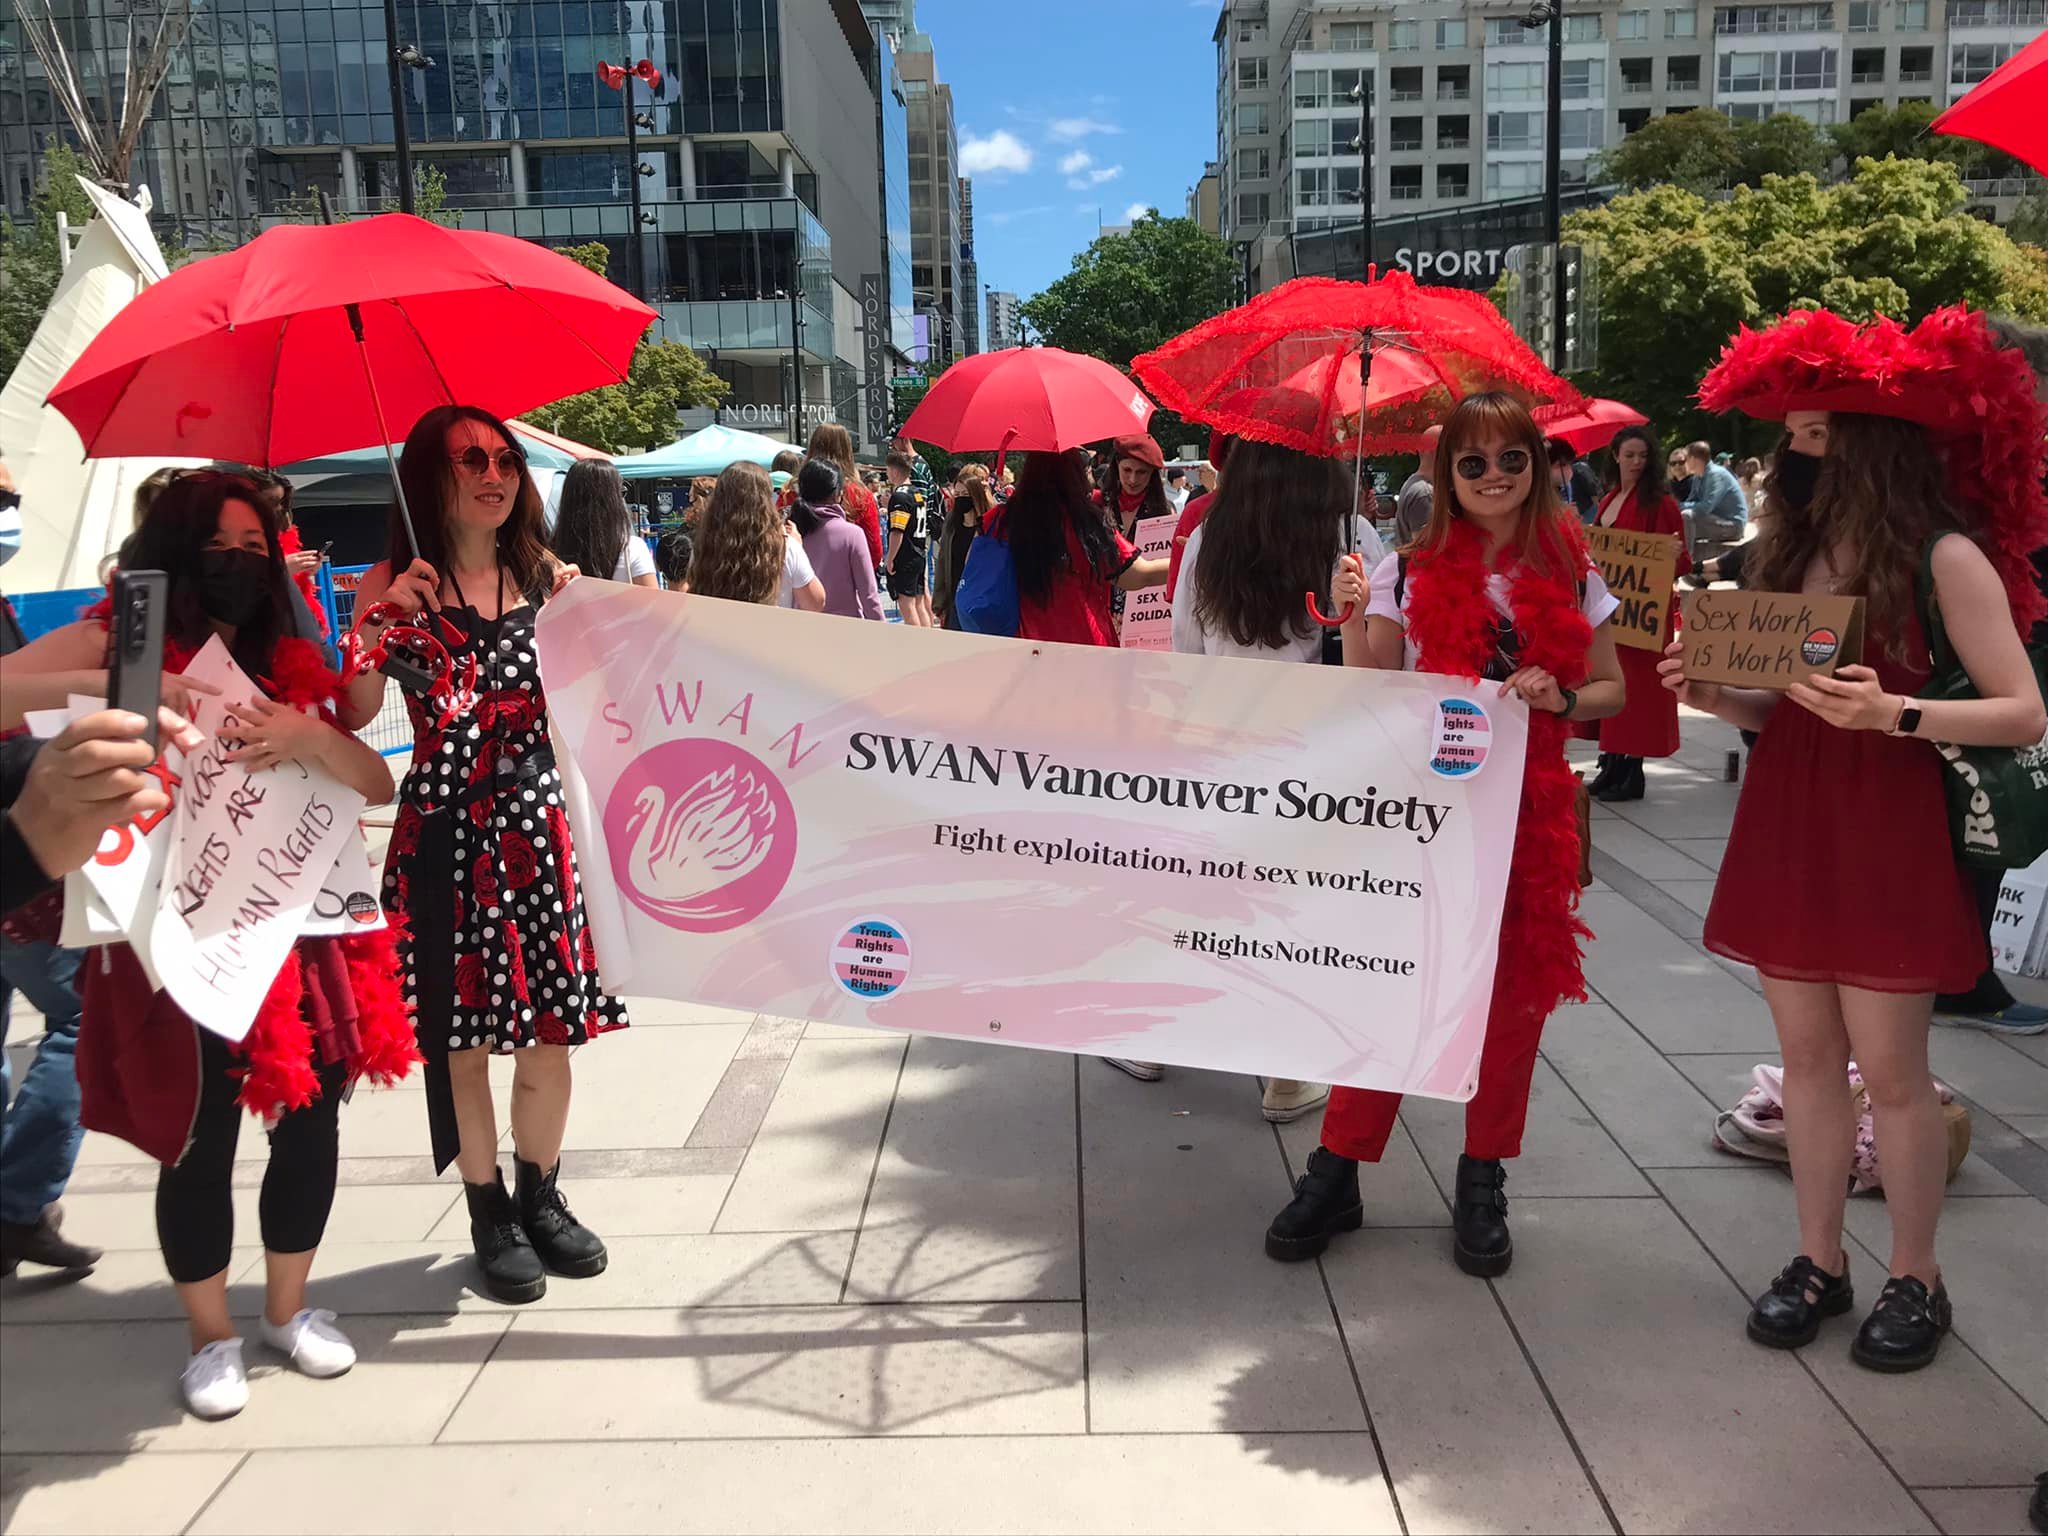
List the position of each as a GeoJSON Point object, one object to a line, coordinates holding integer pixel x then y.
{"type": "Point", "coordinates": [234, 585]}
{"type": "Point", "coordinates": [1796, 476]}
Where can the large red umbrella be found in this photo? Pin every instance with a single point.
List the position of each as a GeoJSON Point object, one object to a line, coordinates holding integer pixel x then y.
{"type": "Point", "coordinates": [1588, 425]}
{"type": "Point", "coordinates": [2009, 109]}
{"type": "Point", "coordinates": [311, 337]}
{"type": "Point", "coordinates": [1028, 399]}
{"type": "Point", "coordinates": [1242, 371]}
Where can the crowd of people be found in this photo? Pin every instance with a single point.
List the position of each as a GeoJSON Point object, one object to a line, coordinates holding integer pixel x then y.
{"type": "Point", "coordinates": [1487, 575]}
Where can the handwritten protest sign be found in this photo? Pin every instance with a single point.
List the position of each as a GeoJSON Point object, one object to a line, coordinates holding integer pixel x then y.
{"type": "Point", "coordinates": [1148, 616]}
{"type": "Point", "coordinates": [1296, 871]}
{"type": "Point", "coordinates": [1639, 569]}
{"type": "Point", "coordinates": [1769, 639]}
{"type": "Point", "coordinates": [249, 852]}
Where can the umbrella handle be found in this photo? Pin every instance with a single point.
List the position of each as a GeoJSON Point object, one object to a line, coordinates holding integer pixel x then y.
{"type": "Point", "coordinates": [1344, 617]}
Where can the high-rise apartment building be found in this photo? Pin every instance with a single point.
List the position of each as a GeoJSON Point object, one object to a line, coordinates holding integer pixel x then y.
{"type": "Point", "coordinates": [934, 199]}
{"type": "Point", "coordinates": [759, 190]}
{"type": "Point", "coordinates": [970, 273]}
{"type": "Point", "coordinates": [1003, 320]}
{"type": "Point", "coordinates": [1205, 200]}
{"type": "Point", "coordinates": [1459, 90]}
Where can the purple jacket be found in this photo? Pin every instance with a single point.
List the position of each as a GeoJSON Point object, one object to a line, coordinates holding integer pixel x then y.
{"type": "Point", "coordinates": [838, 552]}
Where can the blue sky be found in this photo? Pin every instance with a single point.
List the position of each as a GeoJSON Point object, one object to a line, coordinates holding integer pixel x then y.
{"type": "Point", "coordinates": [1067, 106]}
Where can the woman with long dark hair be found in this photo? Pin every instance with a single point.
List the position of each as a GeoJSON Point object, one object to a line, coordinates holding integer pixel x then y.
{"type": "Point", "coordinates": [594, 527]}
{"type": "Point", "coordinates": [1067, 555]}
{"type": "Point", "coordinates": [1498, 586]}
{"type": "Point", "coordinates": [836, 550]}
{"type": "Point", "coordinates": [973, 500]}
{"type": "Point", "coordinates": [1637, 501]}
{"type": "Point", "coordinates": [496, 954]}
{"type": "Point", "coordinates": [746, 550]}
{"type": "Point", "coordinates": [147, 1071]}
{"type": "Point", "coordinates": [1840, 882]}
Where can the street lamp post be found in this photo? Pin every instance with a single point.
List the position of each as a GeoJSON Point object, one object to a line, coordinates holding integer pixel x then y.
{"type": "Point", "coordinates": [620, 78]}
{"type": "Point", "coordinates": [1553, 178]}
{"type": "Point", "coordinates": [1362, 94]}
{"type": "Point", "coordinates": [403, 56]}
{"type": "Point", "coordinates": [796, 354]}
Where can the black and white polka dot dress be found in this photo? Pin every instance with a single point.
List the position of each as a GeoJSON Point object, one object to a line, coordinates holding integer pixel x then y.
{"type": "Point", "coordinates": [496, 950]}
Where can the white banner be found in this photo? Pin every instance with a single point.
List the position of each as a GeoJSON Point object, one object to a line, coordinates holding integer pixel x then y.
{"type": "Point", "coordinates": [1253, 866]}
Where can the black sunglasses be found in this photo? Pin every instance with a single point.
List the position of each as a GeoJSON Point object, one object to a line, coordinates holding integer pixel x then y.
{"type": "Point", "coordinates": [473, 460]}
{"type": "Point", "coordinates": [1512, 461]}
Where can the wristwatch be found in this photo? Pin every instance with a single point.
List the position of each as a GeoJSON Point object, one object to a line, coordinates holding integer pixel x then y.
{"type": "Point", "coordinates": [1908, 721]}
{"type": "Point", "coordinates": [1571, 702]}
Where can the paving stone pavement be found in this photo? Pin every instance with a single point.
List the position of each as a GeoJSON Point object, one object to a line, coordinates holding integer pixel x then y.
{"type": "Point", "coordinates": [867, 1283]}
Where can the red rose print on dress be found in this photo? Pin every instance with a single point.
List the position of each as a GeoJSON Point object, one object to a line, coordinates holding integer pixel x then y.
{"type": "Point", "coordinates": [565, 862]}
{"type": "Point", "coordinates": [702, 834]}
{"type": "Point", "coordinates": [484, 881]}
{"type": "Point", "coordinates": [521, 865]}
{"type": "Point", "coordinates": [511, 707]}
{"type": "Point", "coordinates": [469, 981]}
{"type": "Point", "coordinates": [405, 837]}
{"type": "Point", "coordinates": [566, 950]}
{"type": "Point", "coordinates": [587, 946]}
{"type": "Point", "coordinates": [550, 1030]}
{"type": "Point", "coordinates": [517, 962]}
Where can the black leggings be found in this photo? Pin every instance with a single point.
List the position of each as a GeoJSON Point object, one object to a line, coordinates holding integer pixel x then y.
{"type": "Point", "coordinates": [195, 1207]}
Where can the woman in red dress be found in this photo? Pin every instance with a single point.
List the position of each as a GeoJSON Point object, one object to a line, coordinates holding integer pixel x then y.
{"type": "Point", "coordinates": [1840, 882]}
{"type": "Point", "coordinates": [1498, 586]}
{"type": "Point", "coordinates": [1068, 556]}
{"type": "Point", "coordinates": [1637, 502]}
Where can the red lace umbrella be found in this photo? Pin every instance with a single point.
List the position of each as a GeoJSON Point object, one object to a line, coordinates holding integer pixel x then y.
{"type": "Point", "coordinates": [2004, 111]}
{"type": "Point", "coordinates": [1589, 425]}
{"type": "Point", "coordinates": [1301, 365]}
{"type": "Point", "coordinates": [1341, 368]}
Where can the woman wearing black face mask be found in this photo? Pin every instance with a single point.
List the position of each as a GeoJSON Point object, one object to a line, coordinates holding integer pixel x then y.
{"type": "Point", "coordinates": [147, 1072]}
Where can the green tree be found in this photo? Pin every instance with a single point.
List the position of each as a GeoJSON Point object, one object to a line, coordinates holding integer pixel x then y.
{"type": "Point", "coordinates": [1695, 151]}
{"type": "Point", "coordinates": [1679, 273]}
{"type": "Point", "coordinates": [1781, 145]}
{"type": "Point", "coordinates": [665, 377]}
{"type": "Point", "coordinates": [1878, 131]}
{"type": "Point", "coordinates": [29, 260]}
{"type": "Point", "coordinates": [1127, 293]}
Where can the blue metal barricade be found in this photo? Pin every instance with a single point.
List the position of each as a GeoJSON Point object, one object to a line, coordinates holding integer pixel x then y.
{"type": "Point", "coordinates": [391, 732]}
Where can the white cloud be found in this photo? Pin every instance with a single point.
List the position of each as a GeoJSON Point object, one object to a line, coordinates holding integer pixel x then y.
{"type": "Point", "coordinates": [1076, 163]}
{"type": "Point", "coordinates": [1070, 128]}
{"type": "Point", "coordinates": [1009, 214]}
{"type": "Point", "coordinates": [998, 154]}
{"type": "Point", "coordinates": [1095, 177]}
{"type": "Point", "coordinates": [1136, 212]}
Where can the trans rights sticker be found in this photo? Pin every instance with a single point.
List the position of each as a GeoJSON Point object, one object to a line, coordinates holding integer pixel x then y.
{"type": "Point", "coordinates": [871, 960]}
{"type": "Point", "coordinates": [1461, 741]}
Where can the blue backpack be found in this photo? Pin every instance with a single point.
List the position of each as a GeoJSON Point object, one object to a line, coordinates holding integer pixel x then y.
{"type": "Point", "coordinates": [986, 599]}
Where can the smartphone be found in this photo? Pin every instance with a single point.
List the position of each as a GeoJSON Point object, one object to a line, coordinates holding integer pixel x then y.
{"type": "Point", "coordinates": [325, 550]}
{"type": "Point", "coordinates": [135, 675]}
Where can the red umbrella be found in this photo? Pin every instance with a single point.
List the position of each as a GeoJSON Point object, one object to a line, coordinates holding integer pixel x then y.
{"type": "Point", "coordinates": [2006, 109]}
{"type": "Point", "coordinates": [1030, 399]}
{"type": "Point", "coordinates": [1242, 371]}
{"type": "Point", "coordinates": [307, 339]}
{"type": "Point", "coordinates": [1589, 425]}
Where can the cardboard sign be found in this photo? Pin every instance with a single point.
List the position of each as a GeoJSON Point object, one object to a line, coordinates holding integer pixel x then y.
{"type": "Point", "coordinates": [1639, 569]}
{"type": "Point", "coordinates": [2018, 936]}
{"type": "Point", "coordinates": [1769, 639]}
{"type": "Point", "coordinates": [1137, 855]}
{"type": "Point", "coordinates": [1148, 616]}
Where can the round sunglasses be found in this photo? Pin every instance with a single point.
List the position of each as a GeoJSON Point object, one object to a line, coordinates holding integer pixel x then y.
{"type": "Point", "coordinates": [1512, 461]}
{"type": "Point", "coordinates": [474, 461]}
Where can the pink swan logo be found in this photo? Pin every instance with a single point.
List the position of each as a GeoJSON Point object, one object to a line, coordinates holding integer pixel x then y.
{"type": "Point", "coordinates": [702, 834]}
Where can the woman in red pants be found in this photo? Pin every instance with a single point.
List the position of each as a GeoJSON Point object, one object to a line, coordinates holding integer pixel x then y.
{"type": "Point", "coordinates": [1499, 586]}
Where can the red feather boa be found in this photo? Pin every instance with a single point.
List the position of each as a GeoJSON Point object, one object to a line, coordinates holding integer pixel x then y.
{"type": "Point", "coordinates": [278, 1072]}
{"type": "Point", "coordinates": [1451, 621]}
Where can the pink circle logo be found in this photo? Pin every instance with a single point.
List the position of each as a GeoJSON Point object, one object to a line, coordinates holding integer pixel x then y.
{"type": "Point", "coordinates": [702, 834]}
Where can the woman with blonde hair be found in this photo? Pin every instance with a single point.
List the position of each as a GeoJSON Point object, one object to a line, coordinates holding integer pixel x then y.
{"type": "Point", "coordinates": [834, 444]}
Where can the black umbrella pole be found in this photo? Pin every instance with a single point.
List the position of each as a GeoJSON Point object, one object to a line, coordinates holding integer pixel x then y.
{"type": "Point", "coordinates": [355, 324]}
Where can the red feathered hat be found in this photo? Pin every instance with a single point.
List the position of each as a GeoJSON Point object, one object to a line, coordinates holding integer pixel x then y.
{"type": "Point", "coordinates": [1950, 375]}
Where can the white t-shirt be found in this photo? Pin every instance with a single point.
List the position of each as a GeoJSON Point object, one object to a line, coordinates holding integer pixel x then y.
{"type": "Point", "coordinates": [1598, 605]}
{"type": "Point", "coordinates": [796, 567]}
{"type": "Point", "coordinates": [1193, 638]}
{"type": "Point", "coordinates": [636, 559]}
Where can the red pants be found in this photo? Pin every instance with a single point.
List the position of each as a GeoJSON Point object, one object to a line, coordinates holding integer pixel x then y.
{"type": "Point", "coordinates": [1358, 1121]}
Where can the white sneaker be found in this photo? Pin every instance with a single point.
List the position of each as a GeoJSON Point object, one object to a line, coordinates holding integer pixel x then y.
{"type": "Point", "coordinates": [214, 1383]}
{"type": "Point", "coordinates": [312, 1343]}
{"type": "Point", "coordinates": [1286, 1100]}
{"type": "Point", "coordinates": [1143, 1071]}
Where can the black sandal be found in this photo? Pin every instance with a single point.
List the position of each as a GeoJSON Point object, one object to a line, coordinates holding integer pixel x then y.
{"type": "Point", "coordinates": [1789, 1313]}
{"type": "Point", "coordinates": [1904, 1329]}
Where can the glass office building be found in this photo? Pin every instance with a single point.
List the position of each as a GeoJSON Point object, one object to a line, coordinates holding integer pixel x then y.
{"type": "Point", "coordinates": [753, 190]}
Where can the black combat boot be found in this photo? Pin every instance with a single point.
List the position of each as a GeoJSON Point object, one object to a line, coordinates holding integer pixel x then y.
{"type": "Point", "coordinates": [564, 1244]}
{"type": "Point", "coordinates": [1479, 1219]}
{"type": "Point", "coordinates": [511, 1269]}
{"type": "Point", "coordinates": [1325, 1203]}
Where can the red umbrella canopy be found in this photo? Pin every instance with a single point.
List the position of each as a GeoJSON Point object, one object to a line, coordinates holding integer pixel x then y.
{"type": "Point", "coordinates": [1589, 425]}
{"type": "Point", "coordinates": [2006, 110]}
{"type": "Point", "coordinates": [253, 356]}
{"type": "Point", "coordinates": [1027, 399]}
{"type": "Point", "coordinates": [1244, 371]}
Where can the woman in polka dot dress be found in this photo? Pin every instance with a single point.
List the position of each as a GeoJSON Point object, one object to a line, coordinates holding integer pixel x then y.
{"type": "Point", "coordinates": [495, 950]}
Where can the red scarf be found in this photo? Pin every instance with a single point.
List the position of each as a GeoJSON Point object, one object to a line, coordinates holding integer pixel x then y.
{"type": "Point", "coordinates": [1451, 620]}
{"type": "Point", "coordinates": [280, 1072]}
